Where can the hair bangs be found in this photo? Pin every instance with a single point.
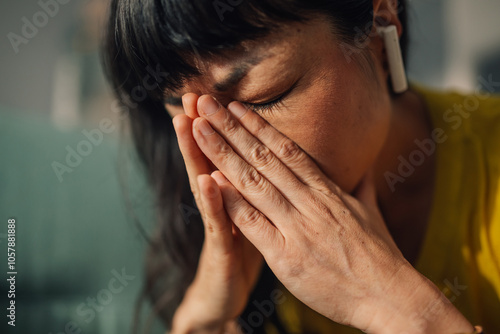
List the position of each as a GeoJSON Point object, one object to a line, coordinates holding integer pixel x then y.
{"type": "Point", "coordinates": [158, 40]}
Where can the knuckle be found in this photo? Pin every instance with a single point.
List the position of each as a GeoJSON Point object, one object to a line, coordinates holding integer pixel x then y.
{"type": "Point", "coordinates": [261, 155]}
{"type": "Point", "coordinates": [326, 188]}
{"type": "Point", "coordinates": [252, 179]}
{"type": "Point", "coordinates": [223, 148]}
{"type": "Point", "coordinates": [317, 206]}
{"type": "Point", "coordinates": [230, 125]}
{"type": "Point", "coordinates": [278, 201]}
{"type": "Point", "coordinates": [289, 151]}
{"type": "Point", "coordinates": [332, 192]}
{"type": "Point", "coordinates": [253, 222]}
{"type": "Point", "coordinates": [250, 217]}
{"type": "Point", "coordinates": [212, 228]}
{"type": "Point", "coordinates": [260, 127]}
{"type": "Point", "coordinates": [314, 178]}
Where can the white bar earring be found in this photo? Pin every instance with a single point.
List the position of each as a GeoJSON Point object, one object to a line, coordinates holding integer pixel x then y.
{"type": "Point", "coordinates": [394, 58]}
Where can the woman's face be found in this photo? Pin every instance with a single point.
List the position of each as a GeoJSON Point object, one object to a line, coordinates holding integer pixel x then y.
{"type": "Point", "coordinates": [336, 108]}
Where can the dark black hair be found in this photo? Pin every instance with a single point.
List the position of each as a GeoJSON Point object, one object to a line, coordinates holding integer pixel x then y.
{"type": "Point", "coordinates": [149, 49]}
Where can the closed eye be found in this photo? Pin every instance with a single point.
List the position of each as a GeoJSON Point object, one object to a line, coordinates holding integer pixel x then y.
{"type": "Point", "coordinates": [267, 106]}
{"type": "Point", "coordinates": [264, 107]}
{"type": "Point", "coordinates": [257, 107]}
{"type": "Point", "coordinates": [270, 106]}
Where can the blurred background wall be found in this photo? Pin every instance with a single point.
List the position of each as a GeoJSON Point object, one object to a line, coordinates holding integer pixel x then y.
{"type": "Point", "coordinates": [452, 42]}
{"type": "Point", "coordinates": [79, 251]}
{"type": "Point", "coordinates": [76, 231]}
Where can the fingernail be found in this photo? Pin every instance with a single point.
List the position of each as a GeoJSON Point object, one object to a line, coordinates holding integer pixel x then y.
{"type": "Point", "coordinates": [210, 106]}
{"type": "Point", "coordinates": [237, 109]}
{"type": "Point", "coordinates": [205, 128]}
{"type": "Point", "coordinates": [183, 99]}
{"type": "Point", "coordinates": [219, 178]}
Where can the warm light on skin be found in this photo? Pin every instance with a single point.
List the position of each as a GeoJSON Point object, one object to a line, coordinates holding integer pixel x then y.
{"type": "Point", "coordinates": [341, 114]}
{"type": "Point", "coordinates": [338, 113]}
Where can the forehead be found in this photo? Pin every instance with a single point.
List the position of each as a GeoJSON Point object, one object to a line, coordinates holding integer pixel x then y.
{"type": "Point", "coordinates": [286, 47]}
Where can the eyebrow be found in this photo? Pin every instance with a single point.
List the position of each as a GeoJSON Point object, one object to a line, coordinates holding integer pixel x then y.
{"type": "Point", "coordinates": [237, 74]}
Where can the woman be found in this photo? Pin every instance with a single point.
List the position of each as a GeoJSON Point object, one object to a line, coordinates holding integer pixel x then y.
{"type": "Point", "coordinates": [304, 160]}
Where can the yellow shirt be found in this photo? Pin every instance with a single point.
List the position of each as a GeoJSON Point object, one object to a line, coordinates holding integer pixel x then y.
{"type": "Point", "coordinates": [461, 250]}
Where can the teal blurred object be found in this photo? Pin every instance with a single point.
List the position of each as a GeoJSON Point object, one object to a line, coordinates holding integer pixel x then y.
{"type": "Point", "coordinates": [75, 237]}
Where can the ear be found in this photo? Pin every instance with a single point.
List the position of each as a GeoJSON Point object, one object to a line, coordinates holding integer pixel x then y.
{"type": "Point", "coordinates": [385, 13]}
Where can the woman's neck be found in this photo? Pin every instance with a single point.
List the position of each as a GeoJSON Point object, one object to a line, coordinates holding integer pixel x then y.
{"type": "Point", "coordinates": [405, 174]}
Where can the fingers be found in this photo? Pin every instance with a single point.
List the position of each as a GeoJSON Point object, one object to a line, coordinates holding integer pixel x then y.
{"type": "Point", "coordinates": [189, 102]}
{"type": "Point", "coordinates": [249, 182]}
{"type": "Point", "coordinates": [288, 152]}
{"type": "Point", "coordinates": [252, 150]}
{"type": "Point", "coordinates": [194, 159]}
{"type": "Point", "coordinates": [218, 226]}
{"type": "Point", "coordinates": [250, 221]}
